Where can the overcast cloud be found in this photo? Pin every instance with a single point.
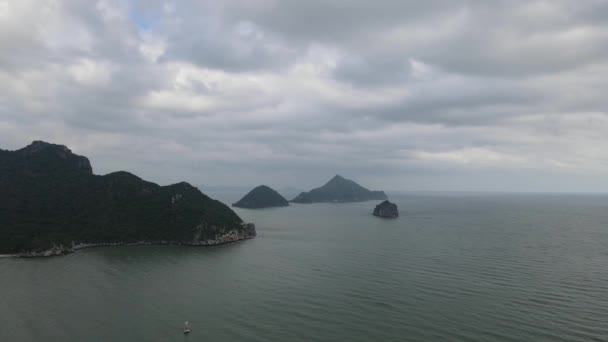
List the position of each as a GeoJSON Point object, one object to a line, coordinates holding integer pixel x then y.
{"type": "Point", "coordinates": [396, 94]}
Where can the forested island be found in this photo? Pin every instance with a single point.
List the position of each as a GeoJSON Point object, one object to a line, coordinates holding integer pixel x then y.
{"type": "Point", "coordinates": [51, 203]}
{"type": "Point", "coordinates": [339, 189]}
{"type": "Point", "coordinates": [261, 196]}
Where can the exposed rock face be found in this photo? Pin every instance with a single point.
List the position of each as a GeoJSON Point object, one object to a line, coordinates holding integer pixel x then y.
{"type": "Point", "coordinates": [51, 203]}
{"type": "Point", "coordinates": [261, 197]}
{"type": "Point", "coordinates": [339, 189]}
{"type": "Point", "coordinates": [386, 209]}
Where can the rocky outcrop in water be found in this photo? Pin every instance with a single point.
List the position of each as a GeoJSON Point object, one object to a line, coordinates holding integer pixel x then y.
{"type": "Point", "coordinates": [339, 189]}
{"type": "Point", "coordinates": [261, 197]}
{"type": "Point", "coordinates": [386, 209]}
{"type": "Point", "coordinates": [51, 203]}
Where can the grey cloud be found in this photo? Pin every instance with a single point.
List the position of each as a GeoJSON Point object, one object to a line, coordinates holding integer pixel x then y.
{"type": "Point", "coordinates": [490, 37]}
{"type": "Point", "coordinates": [373, 70]}
{"type": "Point", "coordinates": [339, 20]}
{"type": "Point", "coordinates": [457, 101]}
{"type": "Point", "coordinates": [228, 51]}
{"type": "Point", "coordinates": [398, 94]}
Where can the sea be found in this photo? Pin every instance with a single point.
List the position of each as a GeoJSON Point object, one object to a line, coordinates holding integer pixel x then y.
{"type": "Point", "coordinates": [452, 267]}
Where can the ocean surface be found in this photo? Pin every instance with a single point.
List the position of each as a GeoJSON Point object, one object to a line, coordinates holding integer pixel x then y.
{"type": "Point", "coordinates": [453, 267]}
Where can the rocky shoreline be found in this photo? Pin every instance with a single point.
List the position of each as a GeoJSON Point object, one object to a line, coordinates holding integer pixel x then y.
{"type": "Point", "coordinates": [248, 232]}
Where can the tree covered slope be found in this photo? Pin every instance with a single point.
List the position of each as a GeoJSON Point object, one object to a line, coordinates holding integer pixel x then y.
{"type": "Point", "coordinates": [49, 197]}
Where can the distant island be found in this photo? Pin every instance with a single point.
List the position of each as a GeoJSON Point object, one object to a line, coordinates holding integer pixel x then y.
{"type": "Point", "coordinates": [51, 203]}
{"type": "Point", "coordinates": [386, 209]}
{"type": "Point", "coordinates": [261, 197]}
{"type": "Point", "coordinates": [339, 189]}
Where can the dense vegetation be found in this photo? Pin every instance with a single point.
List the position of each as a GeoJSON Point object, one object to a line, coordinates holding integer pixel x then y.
{"type": "Point", "coordinates": [262, 197]}
{"type": "Point", "coordinates": [50, 196]}
{"type": "Point", "coordinates": [339, 189]}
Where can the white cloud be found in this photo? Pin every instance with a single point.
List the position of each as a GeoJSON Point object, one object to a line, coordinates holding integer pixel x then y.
{"type": "Point", "coordinates": [111, 10]}
{"type": "Point", "coordinates": [91, 73]}
{"type": "Point", "coordinates": [4, 10]}
{"type": "Point", "coordinates": [152, 47]}
{"type": "Point", "coordinates": [169, 7]}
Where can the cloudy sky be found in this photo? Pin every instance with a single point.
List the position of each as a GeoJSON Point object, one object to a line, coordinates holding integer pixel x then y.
{"type": "Point", "coordinates": [408, 95]}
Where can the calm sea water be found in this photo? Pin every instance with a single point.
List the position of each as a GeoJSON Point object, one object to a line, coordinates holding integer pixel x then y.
{"type": "Point", "coordinates": [454, 267]}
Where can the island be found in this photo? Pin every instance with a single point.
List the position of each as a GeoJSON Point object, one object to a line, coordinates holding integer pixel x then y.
{"type": "Point", "coordinates": [51, 203]}
{"type": "Point", "coordinates": [261, 197]}
{"type": "Point", "coordinates": [339, 189]}
{"type": "Point", "coordinates": [386, 209]}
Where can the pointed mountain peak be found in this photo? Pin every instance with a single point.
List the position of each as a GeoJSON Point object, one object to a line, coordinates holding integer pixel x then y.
{"type": "Point", "coordinates": [337, 179]}
{"type": "Point", "coordinates": [261, 196]}
{"type": "Point", "coordinates": [339, 189]}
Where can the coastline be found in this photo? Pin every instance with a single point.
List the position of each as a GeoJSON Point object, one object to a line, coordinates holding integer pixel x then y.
{"type": "Point", "coordinates": [58, 250]}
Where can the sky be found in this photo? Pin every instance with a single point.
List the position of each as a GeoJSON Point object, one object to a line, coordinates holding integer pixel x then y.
{"type": "Point", "coordinates": [442, 95]}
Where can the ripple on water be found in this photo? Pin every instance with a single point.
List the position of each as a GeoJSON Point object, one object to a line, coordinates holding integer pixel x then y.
{"type": "Point", "coordinates": [473, 268]}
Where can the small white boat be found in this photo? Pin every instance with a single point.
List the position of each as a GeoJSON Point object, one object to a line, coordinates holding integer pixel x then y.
{"type": "Point", "coordinates": [186, 328]}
